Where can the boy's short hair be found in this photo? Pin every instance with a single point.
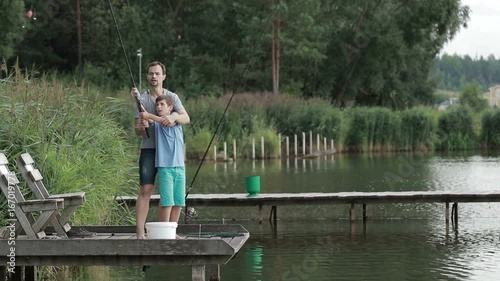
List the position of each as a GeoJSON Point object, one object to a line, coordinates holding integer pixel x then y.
{"type": "Point", "coordinates": [165, 98]}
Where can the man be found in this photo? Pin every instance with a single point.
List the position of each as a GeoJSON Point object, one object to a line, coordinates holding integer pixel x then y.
{"type": "Point", "coordinates": [156, 74]}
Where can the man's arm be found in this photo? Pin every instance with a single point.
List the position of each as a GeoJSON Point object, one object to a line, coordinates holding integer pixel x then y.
{"type": "Point", "coordinates": [181, 117]}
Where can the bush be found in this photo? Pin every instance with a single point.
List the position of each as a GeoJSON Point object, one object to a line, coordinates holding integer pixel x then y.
{"type": "Point", "coordinates": [491, 129]}
{"type": "Point", "coordinates": [455, 129]}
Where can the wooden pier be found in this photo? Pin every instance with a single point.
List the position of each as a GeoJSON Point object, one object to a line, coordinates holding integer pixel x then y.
{"type": "Point", "coordinates": [350, 198]}
{"type": "Point", "coordinates": [204, 248]}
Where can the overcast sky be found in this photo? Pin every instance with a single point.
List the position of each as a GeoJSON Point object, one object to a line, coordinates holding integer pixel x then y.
{"type": "Point", "coordinates": [482, 36]}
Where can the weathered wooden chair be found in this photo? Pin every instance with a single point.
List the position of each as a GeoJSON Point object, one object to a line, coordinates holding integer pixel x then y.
{"type": "Point", "coordinates": [32, 216]}
{"type": "Point", "coordinates": [34, 179]}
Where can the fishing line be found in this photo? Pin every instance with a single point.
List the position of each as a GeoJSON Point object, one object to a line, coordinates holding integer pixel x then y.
{"type": "Point", "coordinates": [190, 210]}
{"type": "Point", "coordinates": [136, 94]}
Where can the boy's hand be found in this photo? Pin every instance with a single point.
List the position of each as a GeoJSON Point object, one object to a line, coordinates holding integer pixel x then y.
{"type": "Point", "coordinates": [144, 115]}
{"type": "Point", "coordinates": [145, 123]}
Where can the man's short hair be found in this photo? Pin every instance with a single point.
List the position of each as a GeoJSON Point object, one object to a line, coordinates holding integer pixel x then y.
{"type": "Point", "coordinates": [155, 63]}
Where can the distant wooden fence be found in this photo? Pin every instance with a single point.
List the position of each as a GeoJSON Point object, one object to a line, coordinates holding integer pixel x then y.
{"type": "Point", "coordinates": [300, 148]}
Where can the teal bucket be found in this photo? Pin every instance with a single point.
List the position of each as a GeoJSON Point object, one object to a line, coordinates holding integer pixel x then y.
{"type": "Point", "coordinates": [253, 184]}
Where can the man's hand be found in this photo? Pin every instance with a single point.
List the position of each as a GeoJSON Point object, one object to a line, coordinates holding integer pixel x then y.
{"type": "Point", "coordinates": [133, 91]}
{"type": "Point", "coordinates": [169, 120]}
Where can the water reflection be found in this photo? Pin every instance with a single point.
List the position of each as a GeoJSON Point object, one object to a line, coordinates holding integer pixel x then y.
{"type": "Point", "coordinates": [398, 242]}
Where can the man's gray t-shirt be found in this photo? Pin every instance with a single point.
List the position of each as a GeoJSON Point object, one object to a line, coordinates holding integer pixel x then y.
{"type": "Point", "coordinates": [150, 106]}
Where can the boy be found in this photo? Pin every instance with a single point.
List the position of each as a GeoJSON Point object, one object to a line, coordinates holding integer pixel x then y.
{"type": "Point", "coordinates": [169, 161]}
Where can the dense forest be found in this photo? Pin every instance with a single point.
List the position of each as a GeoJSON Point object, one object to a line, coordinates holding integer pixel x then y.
{"type": "Point", "coordinates": [372, 53]}
{"type": "Point", "coordinates": [455, 72]}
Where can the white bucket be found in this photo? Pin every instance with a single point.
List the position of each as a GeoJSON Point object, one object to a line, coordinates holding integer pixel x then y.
{"type": "Point", "coordinates": [161, 230]}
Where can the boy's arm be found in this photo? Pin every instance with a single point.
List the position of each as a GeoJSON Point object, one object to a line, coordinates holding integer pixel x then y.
{"type": "Point", "coordinates": [150, 117]}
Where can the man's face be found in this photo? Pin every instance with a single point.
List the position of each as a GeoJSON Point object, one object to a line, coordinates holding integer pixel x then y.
{"type": "Point", "coordinates": [163, 108]}
{"type": "Point", "coordinates": [156, 76]}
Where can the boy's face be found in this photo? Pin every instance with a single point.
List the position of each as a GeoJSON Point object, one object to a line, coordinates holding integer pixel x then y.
{"type": "Point", "coordinates": [163, 108]}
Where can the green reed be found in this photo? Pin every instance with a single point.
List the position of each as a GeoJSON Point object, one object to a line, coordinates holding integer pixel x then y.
{"type": "Point", "coordinates": [72, 133]}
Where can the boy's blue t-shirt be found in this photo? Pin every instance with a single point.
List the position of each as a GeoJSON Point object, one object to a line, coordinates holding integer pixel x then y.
{"type": "Point", "coordinates": [169, 146]}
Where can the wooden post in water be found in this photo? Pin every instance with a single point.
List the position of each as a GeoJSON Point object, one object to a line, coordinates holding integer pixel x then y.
{"type": "Point", "coordinates": [225, 151]}
{"type": "Point", "coordinates": [253, 148]}
{"type": "Point", "coordinates": [279, 145]}
{"type": "Point", "coordinates": [447, 214]}
{"type": "Point", "coordinates": [295, 144]}
{"type": "Point", "coordinates": [318, 143]}
{"type": "Point", "coordinates": [310, 142]}
{"type": "Point", "coordinates": [352, 213]}
{"type": "Point", "coordinates": [287, 147]}
{"type": "Point", "coordinates": [234, 149]}
{"type": "Point", "coordinates": [215, 153]}
{"type": "Point", "coordinates": [324, 144]}
{"type": "Point", "coordinates": [364, 213]}
{"type": "Point", "coordinates": [303, 143]}
{"type": "Point", "coordinates": [30, 273]}
{"type": "Point", "coordinates": [332, 143]}
{"type": "Point", "coordinates": [262, 147]}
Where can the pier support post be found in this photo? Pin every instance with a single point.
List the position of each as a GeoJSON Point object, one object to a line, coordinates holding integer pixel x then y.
{"type": "Point", "coordinates": [364, 213]}
{"type": "Point", "coordinates": [447, 213]}
{"type": "Point", "coordinates": [273, 216]}
{"type": "Point", "coordinates": [30, 273]}
{"type": "Point", "coordinates": [260, 214]}
{"type": "Point", "coordinates": [212, 271]}
{"type": "Point", "coordinates": [352, 213]}
{"type": "Point", "coordinates": [18, 275]}
{"type": "Point", "coordinates": [198, 272]}
{"type": "Point", "coordinates": [454, 214]}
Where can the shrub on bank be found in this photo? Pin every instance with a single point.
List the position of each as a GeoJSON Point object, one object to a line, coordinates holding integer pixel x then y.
{"type": "Point", "coordinates": [490, 136]}
{"type": "Point", "coordinates": [455, 130]}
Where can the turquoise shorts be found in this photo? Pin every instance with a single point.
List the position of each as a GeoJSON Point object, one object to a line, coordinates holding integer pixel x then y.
{"type": "Point", "coordinates": [172, 184]}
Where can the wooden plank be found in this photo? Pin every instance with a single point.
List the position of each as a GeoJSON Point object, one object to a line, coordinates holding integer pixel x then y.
{"type": "Point", "coordinates": [182, 229]}
{"type": "Point", "coordinates": [135, 260]}
{"type": "Point", "coordinates": [280, 199]}
{"type": "Point", "coordinates": [110, 247]}
{"type": "Point", "coordinates": [41, 205]}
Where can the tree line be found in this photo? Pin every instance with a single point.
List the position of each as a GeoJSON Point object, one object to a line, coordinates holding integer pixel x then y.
{"type": "Point", "coordinates": [455, 72]}
{"type": "Point", "coordinates": [356, 52]}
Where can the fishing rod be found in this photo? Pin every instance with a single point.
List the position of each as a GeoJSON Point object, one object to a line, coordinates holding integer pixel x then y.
{"type": "Point", "coordinates": [137, 95]}
{"type": "Point", "coordinates": [190, 211]}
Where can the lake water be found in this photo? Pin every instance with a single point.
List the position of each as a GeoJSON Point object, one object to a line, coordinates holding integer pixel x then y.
{"type": "Point", "coordinates": [399, 241]}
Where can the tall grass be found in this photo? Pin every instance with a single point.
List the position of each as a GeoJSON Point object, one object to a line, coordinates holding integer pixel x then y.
{"type": "Point", "coordinates": [417, 130]}
{"type": "Point", "coordinates": [372, 129]}
{"type": "Point", "coordinates": [455, 130]}
{"type": "Point", "coordinates": [74, 138]}
{"type": "Point", "coordinates": [490, 136]}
